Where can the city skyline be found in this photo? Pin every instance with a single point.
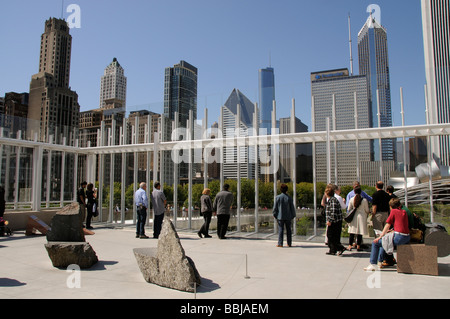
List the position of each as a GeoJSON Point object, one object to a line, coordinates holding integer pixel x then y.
{"type": "Point", "coordinates": [228, 56]}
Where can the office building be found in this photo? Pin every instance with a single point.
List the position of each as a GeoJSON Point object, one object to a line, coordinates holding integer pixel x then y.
{"type": "Point", "coordinates": [266, 97]}
{"type": "Point", "coordinates": [180, 92]}
{"type": "Point", "coordinates": [14, 112]}
{"type": "Point", "coordinates": [231, 127]}
{"type": "Point", "coordinates": [436, 36]}
{"type": "Point", "coordinates": [113, 84]}
{"type": "Point", "coordinates": [53, 106]}
{"type": "Point", "coordinates": [302, 158]}
{"type": "Point", "coordinates": [180, 95]}
{"type": "Point", "coordinates": [374, 62]}
{"type": "Point", "coordinates": [333, 96]}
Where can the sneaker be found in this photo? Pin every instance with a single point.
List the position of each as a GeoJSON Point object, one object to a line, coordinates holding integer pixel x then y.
{"type": "Point", "coordinates": [371, 267]}
{"type": "Point", "coordinates": [143, 237]}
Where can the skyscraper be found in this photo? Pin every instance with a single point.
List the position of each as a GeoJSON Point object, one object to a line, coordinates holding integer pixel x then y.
{"type": "Point", "coordinates": [333, 94]}
{"type": "Point", "coordinates": [436, 35]}
{"type": "Point", "coordinates": [180, 95]}
{"type": "Point", "coordinates": [266, 97]}
{"type": "Point", "coordinates": [180, 92]}
{"type": "Point", "coordinates": [374, 62]}
{"type": "Point", "coordinates": [230, 123]}
{"type": "Point", "coordinates": [113, 84]}
{"type": "Point", "coordinates": [52, 104]}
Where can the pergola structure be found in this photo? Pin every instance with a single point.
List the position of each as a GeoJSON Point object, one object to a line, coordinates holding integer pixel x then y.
{"type": "Point", "coordinates": [107, 147]}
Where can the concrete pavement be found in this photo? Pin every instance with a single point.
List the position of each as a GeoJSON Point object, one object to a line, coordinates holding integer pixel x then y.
{"type": "Point", "coordinates": [303, 271]}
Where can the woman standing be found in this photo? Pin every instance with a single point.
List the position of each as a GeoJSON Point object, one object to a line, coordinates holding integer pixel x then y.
{"type": "Point", "coordinates": [333, 214]}
{"type": "Point", "coordinates": [206, 210]}
{"type": "Point", "coordinates": [91, 200]}
{"type": "Point", "coordinates": [358, 226]}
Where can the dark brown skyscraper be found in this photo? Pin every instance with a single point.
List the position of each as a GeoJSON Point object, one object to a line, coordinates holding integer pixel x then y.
{"type": "Point", "coordinates": [53, 106]}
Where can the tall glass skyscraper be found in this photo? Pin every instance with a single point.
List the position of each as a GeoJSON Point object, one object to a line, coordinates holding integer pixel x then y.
{"type": "Point", "coordinates": [436, 35]}
{"type": "Point", "coordinates": [266, 97]}
{"type": "Point", "coordinates": [180, 95]}
{"type": "Point", "coordinates": [180, 92]}
{"type": "Point", "coordinates": [374, 63]}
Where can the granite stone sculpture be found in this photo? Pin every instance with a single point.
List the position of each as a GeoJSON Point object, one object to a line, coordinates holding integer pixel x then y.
{"type": "Point", "coordinates": [167, 265]}
{"type": "Point", "coordinates": [66, 241]}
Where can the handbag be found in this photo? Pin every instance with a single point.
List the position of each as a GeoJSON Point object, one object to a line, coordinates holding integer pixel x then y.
{"type": "Point", "coordinates": [94, 210]}
{"type": "Point", "coordinates": [416, 235]}
{"type": "Point", "coordinates": [350, 216]}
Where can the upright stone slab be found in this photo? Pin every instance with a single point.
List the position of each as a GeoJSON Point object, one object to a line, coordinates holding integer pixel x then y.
{"type": "Point", "coordinates": [66, 242]}
{"type": "Point", "coordinates": [168, 266]}
{"type": "Point", "coordinates": [67, 225]}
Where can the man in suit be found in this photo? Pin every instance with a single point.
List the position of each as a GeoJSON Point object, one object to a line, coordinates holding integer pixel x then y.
{"type": "Point", "coordinates": [221, 207]}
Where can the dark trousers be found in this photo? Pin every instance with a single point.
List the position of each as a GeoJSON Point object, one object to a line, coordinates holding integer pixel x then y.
{"type": "Point", "coordinates": [222, 225]}
{"type": "Point", "coordinates": [334, 237]}
{"type": "Point", "coordinates": [351, 239]}
{"type": "Point", "coordinates": [141, 219]}
{"type": "Point", "coordinates": [90, 214]}
{"type": "Point", "coordinates": [157, 225]}
{"type": "Point", "coordinates": [281, 225]}
{"type": "Point", "coordinates": [205, 227]}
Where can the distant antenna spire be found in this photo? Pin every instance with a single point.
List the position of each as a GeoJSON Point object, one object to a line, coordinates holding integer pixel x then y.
{"type": "Point", "coordinates": [350, 44]}
{"type": "Point", "coordinates": [62, 9]}
{"type": "Point", "coordinates": [270, 59]}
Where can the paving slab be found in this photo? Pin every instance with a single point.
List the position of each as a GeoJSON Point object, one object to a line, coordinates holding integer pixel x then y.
{"type": "Point", "coordinates": [237, 268]}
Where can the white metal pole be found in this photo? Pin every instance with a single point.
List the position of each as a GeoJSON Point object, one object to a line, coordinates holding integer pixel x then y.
{"type": "Point", "coordinates": [294, 166]}
{"type": "Point", "coordinates": [328, 154]}
{"type": "Point", "coordinates": [190, 175]}
{"type": "Point", "coordinates": [175, 173]}
{"type": "Point", "coordinates": [238, 149]}
{"type": "Point", "coordinates": [205, 164]}
{"type": "Point", "coordinates": [335, 142]}
{"type": "Point", "coordinates": [430, 158]}
{"type": "Point", "coordinates": [380, 141]}
{"type": "Point", "coordinates": [274, 158]}
{"type": "Point", "coordinates": [222, 159]}
{"type": "Point", "coordinates": [256, 125]}
{"type": "Point", "coordinates": [123, 141]}
{"type": "Point", "coordinates": [404, 149]}
{"type": "Point", "coordinates": [313, 129]}
{"type": "Point", "coordinates": [358, 174]}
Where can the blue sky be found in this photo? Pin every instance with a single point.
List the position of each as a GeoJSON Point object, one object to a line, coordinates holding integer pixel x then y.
{"type": "Point", "coordinates": [227, 40]}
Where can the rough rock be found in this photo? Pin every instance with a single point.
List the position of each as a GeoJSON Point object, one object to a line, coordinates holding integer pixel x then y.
{"type": "Point", "coordinates": [440, 239]}
{"type": "Point", "coordinates": [65, 254]}
{"type": "Point", "coordinates": [67, 225]}
{"type": "Point", "coordinates": [168, 266]}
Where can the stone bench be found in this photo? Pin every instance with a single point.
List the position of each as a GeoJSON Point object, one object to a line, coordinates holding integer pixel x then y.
{"type": "Point", "coordinates": [417, 259]}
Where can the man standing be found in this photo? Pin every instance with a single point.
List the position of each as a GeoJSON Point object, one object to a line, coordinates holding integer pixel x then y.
{"type": "Point", "coordinates": [284, 213]}
{"type": "Point", "coordinates": [380, 207]}
{"type": "Point", "coordinates": [141, 202]}
{"type": "Point", "coordinates": [221, 206]}
{"type": "Point", "coordinates": [81, 199]}
{"type": "Point", "coordinates": [352, 194]}
{"type": "Point", "coordinates": [159, 203]}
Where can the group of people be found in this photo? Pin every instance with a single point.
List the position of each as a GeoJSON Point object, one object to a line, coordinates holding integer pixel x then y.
{"type": "Point", "coordinates": [391, 222]}
{"type": "Point", "coordinates": [87, 198]}
{"type": "Point", "coordinates": [221, 207]}
{"type": "Point", "coordinates": [159, 203]}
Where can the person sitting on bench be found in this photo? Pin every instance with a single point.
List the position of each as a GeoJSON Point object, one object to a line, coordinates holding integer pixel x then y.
{"type": "Point", "coordinates": [397, 218]}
